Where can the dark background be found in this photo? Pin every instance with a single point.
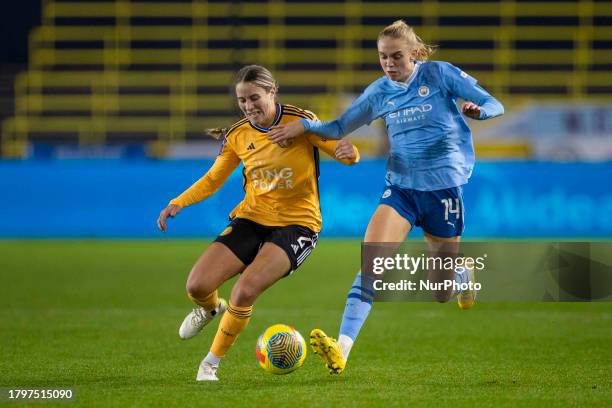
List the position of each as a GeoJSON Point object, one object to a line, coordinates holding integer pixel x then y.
{"type": "Point", "coordinates": [17, 21]}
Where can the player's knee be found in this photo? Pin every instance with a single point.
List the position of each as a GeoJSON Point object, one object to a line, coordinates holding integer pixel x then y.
{"type": "Point", "coordinates": [244, 294]}
{"type": "Point", "coordinates": [197, 289]}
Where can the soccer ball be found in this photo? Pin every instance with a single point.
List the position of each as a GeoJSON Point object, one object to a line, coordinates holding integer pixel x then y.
{"type": "Point", "coordinates": [280, 349]}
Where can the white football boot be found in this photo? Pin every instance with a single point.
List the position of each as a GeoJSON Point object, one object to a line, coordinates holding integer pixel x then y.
{"type": "Point", "coordinates": [207, 372]}
{"type": "Point", "coordinates": [195, 321]}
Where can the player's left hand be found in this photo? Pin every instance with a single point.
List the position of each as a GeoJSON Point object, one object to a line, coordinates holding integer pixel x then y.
{"type": "Point", "coordinates": [170, 211]}
{"type": "Point", "coordinates": [471, 110]}
{"type": "Point", "coordinates": [345, 150]}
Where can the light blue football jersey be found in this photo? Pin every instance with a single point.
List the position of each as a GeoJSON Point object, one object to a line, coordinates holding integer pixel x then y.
{"type": "Point", "coordinates": [431, 145]}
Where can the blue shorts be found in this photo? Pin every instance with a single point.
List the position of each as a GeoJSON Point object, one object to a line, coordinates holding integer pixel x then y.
{"type": "Point", "coordinates": [438, 213]}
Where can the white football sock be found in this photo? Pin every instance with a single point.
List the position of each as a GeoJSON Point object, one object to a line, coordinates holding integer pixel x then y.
{"type": "Point", "coordinates": [212, 359]}
{"type": "Point", "coordinates": [461, 276]}
{"type": "Point", "coordinates": [346, 343]}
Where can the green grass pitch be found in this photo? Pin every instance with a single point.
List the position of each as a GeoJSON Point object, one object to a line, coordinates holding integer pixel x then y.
{"type": "Point", "coordinates": [102, 317]}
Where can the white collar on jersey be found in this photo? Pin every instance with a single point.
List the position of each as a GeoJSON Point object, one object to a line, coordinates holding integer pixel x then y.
{"type": "Point", "coordinates": [410, 78]}
{"type": "Point", "coordinates": [279, 112]}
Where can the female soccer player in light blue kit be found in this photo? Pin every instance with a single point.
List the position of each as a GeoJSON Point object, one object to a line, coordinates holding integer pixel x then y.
{"type": "Point", "coordinates": [431, 157]}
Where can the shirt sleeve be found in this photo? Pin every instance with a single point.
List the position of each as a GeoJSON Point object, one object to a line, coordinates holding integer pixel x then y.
{"type": "Point", "coordinates": [329, 147]}
{"type": "Point", "coordinates": [462, 85]}
{"type": "Point", "coordinates": [224, 165]}
{"type": "Point", "coordinates": [361, 112]}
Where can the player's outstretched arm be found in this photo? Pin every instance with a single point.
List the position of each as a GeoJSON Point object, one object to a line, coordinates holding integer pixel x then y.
{"type": "Point", "coordinates": [361, 112]}
{"type": "Point", "coordinates": [206, 186]}
{"type": "Point", "coordinates": [170, 211]}
{"type": "Point", "coordinates": [330, 130]}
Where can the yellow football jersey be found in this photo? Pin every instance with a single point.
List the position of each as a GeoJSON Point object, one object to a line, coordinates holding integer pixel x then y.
{"type": "Point", "coordinates": [280, 184]}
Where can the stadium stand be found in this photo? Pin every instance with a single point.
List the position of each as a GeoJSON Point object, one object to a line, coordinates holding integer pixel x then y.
{"type": "Point", "coordinates": [160, 71]}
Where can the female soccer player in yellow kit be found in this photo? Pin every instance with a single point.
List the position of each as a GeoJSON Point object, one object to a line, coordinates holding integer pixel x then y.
{"type": "Point", "coordinates": [272, 230]}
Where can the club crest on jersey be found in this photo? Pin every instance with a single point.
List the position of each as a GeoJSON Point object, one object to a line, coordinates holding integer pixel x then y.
{"type": "Point", "coordinates": [423, 91]}
{"type": "Point", "coordinates": [387, 193]}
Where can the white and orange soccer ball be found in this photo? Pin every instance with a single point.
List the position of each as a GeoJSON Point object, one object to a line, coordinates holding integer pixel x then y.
{"type": "Point", "coordinates": [280, 349]}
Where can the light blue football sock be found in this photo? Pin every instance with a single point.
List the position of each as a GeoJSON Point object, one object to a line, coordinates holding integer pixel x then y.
{"type": "Point", "coordinates": [358, 305]}
{"type": "Point", "coordinates": [461, 276]}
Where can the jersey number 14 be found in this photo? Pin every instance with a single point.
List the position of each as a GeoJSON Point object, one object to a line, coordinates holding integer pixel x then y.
{"type": "Point", "coordinates": [449, 208]}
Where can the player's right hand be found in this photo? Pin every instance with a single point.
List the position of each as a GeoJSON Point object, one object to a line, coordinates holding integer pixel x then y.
{"type": "Point", "coordinates": [285, 131]}
{"type": "Point", "coordinates": [170, 211]}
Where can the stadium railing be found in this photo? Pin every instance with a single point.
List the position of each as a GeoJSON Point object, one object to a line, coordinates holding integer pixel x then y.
{"type": "Point", "coordinates": [114, 71]}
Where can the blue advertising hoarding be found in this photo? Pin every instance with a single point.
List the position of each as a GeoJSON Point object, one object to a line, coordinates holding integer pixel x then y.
{"type": "Point", "coordinates": [122, 199]}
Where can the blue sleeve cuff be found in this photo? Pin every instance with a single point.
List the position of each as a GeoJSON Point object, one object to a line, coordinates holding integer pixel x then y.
{"type": "Point", "coordinates": [306, 124]}
{"type": "Point", "coordinates": [491, 109]}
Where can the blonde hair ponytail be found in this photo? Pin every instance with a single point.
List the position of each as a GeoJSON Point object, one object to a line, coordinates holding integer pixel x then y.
{"type": "Point", "coordinates": [216, 133]}
{"type": "Point", "coordinates": [399, 29]}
